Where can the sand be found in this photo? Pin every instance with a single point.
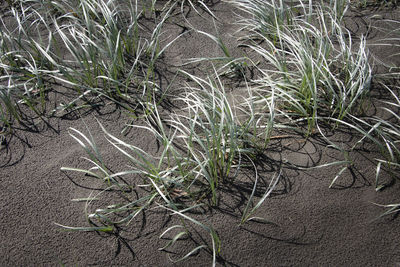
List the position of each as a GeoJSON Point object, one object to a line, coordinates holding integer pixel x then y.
{"type": "Point", "coordinates": [310, 223]}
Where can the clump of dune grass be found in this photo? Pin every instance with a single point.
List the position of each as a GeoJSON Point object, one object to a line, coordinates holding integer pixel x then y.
{"type": "Point", "coordinates": [173, 173]}
{"type": "Point", "coordinates": [209, 130]}
{"type": "Point", "coordinates": [97, 48]}
{"type": "Point", "coordinates": [310, 59]}
{"type": "Point", "coordinates": [202, 146]}
{"type": "Point", "coordinates": [310, 70]}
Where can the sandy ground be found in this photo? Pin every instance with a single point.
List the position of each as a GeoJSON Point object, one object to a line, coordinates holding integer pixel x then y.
{"type": "Point", "coordinates": [311, 225]}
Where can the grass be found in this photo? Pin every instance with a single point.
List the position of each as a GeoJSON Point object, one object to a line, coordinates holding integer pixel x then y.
{"type": "Point", "coordinates": [309, 60]}
{"type": "Point", "coordinates": [96, 47]}
{"type": "Point", "coordinates": [200, 148]}
{"type": "Point", "coordinates": [311, 76]}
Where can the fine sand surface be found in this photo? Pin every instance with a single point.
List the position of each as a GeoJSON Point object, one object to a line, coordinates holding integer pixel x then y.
{"type": "Point", "coordinates": [310, 223]}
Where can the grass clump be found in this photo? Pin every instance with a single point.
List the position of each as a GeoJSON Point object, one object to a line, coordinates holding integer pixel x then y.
{"type": "Point", "coordinates": [210, 131]}
{"type": "Point", "coordinates": [97, 48]}
{"type": "Point", "coordinates": [309, 57]}
{"type": "Point", "coordinates": [202, 146]}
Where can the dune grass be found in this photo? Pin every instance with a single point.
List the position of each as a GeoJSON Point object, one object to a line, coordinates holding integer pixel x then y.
{"type": "Point", "coordinates": [309, 59]}
{"type": "Point", "coordinates": [97, 48]}
{"type": "Point", "coordinates": [311, 75]}
{"type": "Point", "coordinates": [201, 148]}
